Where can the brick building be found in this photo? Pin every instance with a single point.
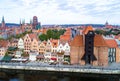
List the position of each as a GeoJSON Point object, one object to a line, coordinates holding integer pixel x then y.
{"type": "Point", "coordinates": [93, 49]}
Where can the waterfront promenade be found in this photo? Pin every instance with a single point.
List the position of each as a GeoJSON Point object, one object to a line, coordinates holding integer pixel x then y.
{"type": "Point", "coordinates": [37, 66]}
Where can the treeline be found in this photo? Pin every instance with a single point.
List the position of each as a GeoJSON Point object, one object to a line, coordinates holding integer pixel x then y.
{"type": "Point", "coordinates": [54, 34]}
{"type": "Point", "coordinates": [108, 32]}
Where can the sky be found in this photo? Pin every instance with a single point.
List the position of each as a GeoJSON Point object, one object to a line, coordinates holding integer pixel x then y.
{"type": "Point", "coordinates": [61, 11]}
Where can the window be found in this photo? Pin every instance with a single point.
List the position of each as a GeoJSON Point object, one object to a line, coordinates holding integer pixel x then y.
{"type": "Point", "coordinates": [111, 55]}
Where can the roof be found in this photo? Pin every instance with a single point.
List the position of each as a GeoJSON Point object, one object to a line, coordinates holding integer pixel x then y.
{"type": "Point", "coordinates": [6, 58]}
{"type": "Point", "coordinates": [99, 41]}
{"type": "Point", "coordinates": [68, 31]}
{"type": "Point", "coordinates": [32, 35]}
{"type": "Point", "coordinates": [87, 29]}
{"type": "Point", "coordinates": [77, 41]}
{"type": "Point", "coordinates": [4, 43]}
{"type": "Point", "coordinates": [111, 43]}
{"type": "Point", "coordinates": [65, 37]}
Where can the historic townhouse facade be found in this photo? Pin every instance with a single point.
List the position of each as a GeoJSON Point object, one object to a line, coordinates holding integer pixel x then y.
{"type": "Point", "coordinates": [60, 48]}
{"type": "Point", "coordinates": [27, 43]}
{"type": "Point", "coordinates": [14, 43]}
{"type": "Point", "coordinates": [20, 43]}
{"type": "Point", "coordinates": [42, 48]}
{"type": "Point", "coordinates": [48, 46]}
{"type": "Point", "coordinates": [2, 52]}
{"type": "Point", "coordinates": [34, 45]}
{"type": "Point", "coordinates": [55, 44]}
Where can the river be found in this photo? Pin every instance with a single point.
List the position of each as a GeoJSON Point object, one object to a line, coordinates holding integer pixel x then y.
{"type": "Point", "coordinates": [50, 77]}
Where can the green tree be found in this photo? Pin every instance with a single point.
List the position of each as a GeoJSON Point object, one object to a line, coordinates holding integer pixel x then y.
{"type": "Point", "coordinates": [49, 34]}
{"type": "Point", "coordinates": [54, 34]}
{"type": "Point", "coordinates": [43, 37]}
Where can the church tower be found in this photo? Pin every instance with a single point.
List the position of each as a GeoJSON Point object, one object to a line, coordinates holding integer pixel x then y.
{"type": "Point", "coordinates": [35, 22]}
{"type": "Point", "coordinates": [3, 22]}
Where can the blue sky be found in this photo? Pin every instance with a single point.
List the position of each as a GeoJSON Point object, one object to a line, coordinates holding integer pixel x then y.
{"type": "Point", "coordinates": [62, 11]}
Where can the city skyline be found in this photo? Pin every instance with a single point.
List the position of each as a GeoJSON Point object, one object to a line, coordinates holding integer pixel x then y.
{"type": "Point", "coordinates": [61, 12]}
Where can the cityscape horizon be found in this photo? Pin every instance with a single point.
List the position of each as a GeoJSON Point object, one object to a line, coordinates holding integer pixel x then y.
{"type": "Point", "coordinates": [59, 23]}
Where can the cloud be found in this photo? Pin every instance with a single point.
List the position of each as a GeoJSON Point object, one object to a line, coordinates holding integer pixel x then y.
{"type": "Point", "coordinates": [65, 11]}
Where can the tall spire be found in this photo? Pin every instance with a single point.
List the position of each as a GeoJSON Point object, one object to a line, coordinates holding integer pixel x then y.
{"type": "Point", "coordinates": [3, 21]}
{"type": "Point", "coordinates": [30, 21]}
{"type": "Point", "coordinates": [20, 23]}
{"type": "Point", "coordinates": [23, 21]}
{"type": "Point", "coordinates": [106, 23]}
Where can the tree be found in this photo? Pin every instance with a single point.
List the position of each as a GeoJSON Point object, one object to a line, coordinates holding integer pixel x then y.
{"type": "Point", "coordinates": [49, 34]}
{"type": "Point", "coordinates": [43, 37]}
{"type": "Point", "coordinates": [54, 34]}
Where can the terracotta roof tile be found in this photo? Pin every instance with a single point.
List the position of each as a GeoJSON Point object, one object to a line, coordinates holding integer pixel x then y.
{"type": "Point", "coordinates": [68, 32]}
{"type": "Point", "coordinates": [4, 43]}
{"type": "Point", "coordinates": [65, 37]}
{"type": "Point", "coordinates": [32, 35]}
{"type": "Point", "coordinates": [77, 41]}
{"type": "Point", "coordinates": [88, 28]}
{"type": "Point", "coordinates": [111, 43]}
{"type": "Point", "coordinates": [99, 41]}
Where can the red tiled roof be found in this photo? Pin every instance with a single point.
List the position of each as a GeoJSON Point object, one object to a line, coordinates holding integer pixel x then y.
{"type": "Point", "coordinates": [68, 32]}
{"type": "Point", "coordinates": [111, 43]}
{"type": "Point", "coordinates": [77, 41]}
{"type": "Point", "coordinates": [87, 29]}
{"type": "Point", "coordinates": [99, 41]}
{"type": "Point", "coordinates": [65, 37]}
{"type": "Point", "coordinates": [32, 35]}
{"type": "Point", "coordinates": [4, 43]}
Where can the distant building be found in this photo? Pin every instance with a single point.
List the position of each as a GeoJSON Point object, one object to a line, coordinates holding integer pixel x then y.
{"type": "Point", "coordinates": [35, 22]}
{"type": "Point", "coordinates": [3, 22]}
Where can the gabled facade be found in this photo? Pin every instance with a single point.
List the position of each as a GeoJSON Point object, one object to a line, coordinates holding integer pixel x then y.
{"type": "Point", "coordinates": [34, 44]}
{"type": "Point", "coordinates": [27, 43]}
{"type": "Point", "coordinates": [14, 43]}
{"type": "Point", "coordinates": [20, 43]}
{"type": "Point", "coordinates": [48, 46]}
{"type": "Point", "coordinates": [66, 48]}
{"type": "Point", "coordinates": [42, 48]}
{"type": "Point", "coordinates": [60, 48]}
{"type": "Point", "coordinates": [2, 51]}
{"type": "Point", "coordinates": [55, 44]}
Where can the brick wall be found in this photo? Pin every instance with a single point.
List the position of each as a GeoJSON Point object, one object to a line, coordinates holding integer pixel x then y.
{"type": "Point", "coordinates": [117, 55]}
{"type": "Point", "coordinates": [102, 56]}
{"type": "Point", "coordinates": [74, 55]}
